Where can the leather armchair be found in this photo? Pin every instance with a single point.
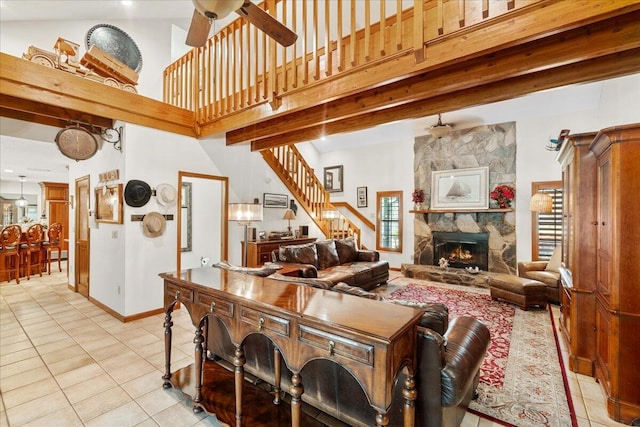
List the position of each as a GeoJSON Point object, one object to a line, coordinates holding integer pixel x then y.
{"type": "Point", "coordinates": [537, 270]}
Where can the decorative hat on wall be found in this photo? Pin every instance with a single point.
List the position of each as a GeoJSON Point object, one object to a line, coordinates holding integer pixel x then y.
{"type": "Point", "coordinates": [166, 195]}
{"type": "Point", "coordinates": [153, 224]}
{"type": "Point", "coordinates": [137, 193]}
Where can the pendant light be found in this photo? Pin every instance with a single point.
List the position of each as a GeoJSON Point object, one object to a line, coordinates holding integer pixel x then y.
{"type": "Point", "coordinates": [22, 202]}
{"type": "Point", "coordinates": [440, 129]}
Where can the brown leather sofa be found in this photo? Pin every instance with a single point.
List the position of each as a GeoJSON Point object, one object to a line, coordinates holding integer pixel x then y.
{"type": "Point", "coordinates": [449, 359]}
{"type": "Point", "coordinates": [335, 261]}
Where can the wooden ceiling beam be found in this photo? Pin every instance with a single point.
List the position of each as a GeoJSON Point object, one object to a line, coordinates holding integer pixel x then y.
{"type": "Point", "coordinates": [601, 68]}
{"type": "Point", "coordinates": [603, 38]}
{"type": "Point", "coordinates": [50, 115]}
{"type": "Point", "coordinates": [60, 92]}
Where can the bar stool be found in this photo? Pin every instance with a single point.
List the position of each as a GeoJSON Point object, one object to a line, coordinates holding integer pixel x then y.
{"type": "Point", "coordinates": [9, 249]}
{"type": "Point", "coordinates": [33, 246]}
{"type": "Point", "coordinates": [54, 234]}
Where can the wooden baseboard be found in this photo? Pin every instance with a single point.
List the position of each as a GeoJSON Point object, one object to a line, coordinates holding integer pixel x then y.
{"type": "Point", "coordinates": [125, 319]}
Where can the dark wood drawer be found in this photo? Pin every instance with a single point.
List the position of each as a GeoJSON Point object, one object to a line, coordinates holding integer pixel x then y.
{"type": "Point", "coordinates": [185, 294]}
{"type": "Point", "coordinates": [336, 345]}
{"type": "Point", "coordinates": [262, 321]}
{"type": "Point", "coordinates": [217, 306]}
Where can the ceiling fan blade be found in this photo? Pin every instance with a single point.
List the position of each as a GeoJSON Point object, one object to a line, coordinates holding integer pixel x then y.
{"type": "Point", "coordinates": [267, 23]}
{"type": "Point", "coordinates": [198, 30]}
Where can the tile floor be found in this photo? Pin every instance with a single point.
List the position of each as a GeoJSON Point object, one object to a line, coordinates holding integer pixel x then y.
{"type": "Point", "coordinates": [64, 361]}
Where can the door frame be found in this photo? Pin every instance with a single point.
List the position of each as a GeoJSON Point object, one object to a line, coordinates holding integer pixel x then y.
{"type": "Point", "coordinates": [79, 207]}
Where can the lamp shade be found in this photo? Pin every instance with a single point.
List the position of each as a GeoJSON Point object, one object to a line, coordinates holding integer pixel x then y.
{"type": "Point", "coordinates": [541, 202]}
{"type": "Point", "coordinates": [289, 214]}
{"type": "Point", "coordinates": [245, 212]}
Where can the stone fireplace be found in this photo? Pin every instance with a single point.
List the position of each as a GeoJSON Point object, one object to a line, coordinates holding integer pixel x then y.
{"type": "Point", "coordinates": [493, 146]}
{"type": "Point", "coordinates": [462, 250]}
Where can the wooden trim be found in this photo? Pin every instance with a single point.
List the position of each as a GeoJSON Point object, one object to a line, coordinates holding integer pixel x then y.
{"type": "Point", "coordinates": [379, 195]}
{"type": "Point", "coordinates": [125, 319]}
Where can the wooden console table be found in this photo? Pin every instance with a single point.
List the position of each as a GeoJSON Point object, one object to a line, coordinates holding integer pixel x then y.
{"type": "Point", "coordinates": [259, 252]}
{"type": "Point", "coordinates": [304, 323]}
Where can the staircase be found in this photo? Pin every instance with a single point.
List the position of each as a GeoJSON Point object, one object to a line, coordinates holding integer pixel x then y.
{"type": "Point", "coordinates": [287, 162]}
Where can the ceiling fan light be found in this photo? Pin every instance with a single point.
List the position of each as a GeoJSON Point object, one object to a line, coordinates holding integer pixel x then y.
{"type": "Point", "coordinates": [218, 8]}
{"type": "Point", "coordinates": [438, 131]}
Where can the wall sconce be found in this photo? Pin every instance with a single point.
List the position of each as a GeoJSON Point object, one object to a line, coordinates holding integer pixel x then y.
{"type": "Point", "coordinates": [244, 214]}
{"type": "Point", "coordinates": [541, 203]}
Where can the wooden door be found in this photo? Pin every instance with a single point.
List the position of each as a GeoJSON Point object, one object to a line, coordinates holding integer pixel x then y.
{"type": "Point", "coordinates": [82, 236]}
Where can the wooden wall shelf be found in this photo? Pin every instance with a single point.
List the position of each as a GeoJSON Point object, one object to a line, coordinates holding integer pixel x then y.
{"type": "Point", "coordinates": [440, 211]}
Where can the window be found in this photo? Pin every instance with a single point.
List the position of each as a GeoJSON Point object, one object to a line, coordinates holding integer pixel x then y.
{"type": "Point", "coordinates": [389, 226]}
{"type": "Point", "coordinates": [546, 228]}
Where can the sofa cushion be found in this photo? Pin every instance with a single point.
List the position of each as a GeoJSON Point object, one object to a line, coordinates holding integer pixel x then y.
{"type": "Point", "coordinates": [555, 262]}
{"type": "Point", "coordinates": [302, 254]}
{"type": "Point", "coordinates": [327, 254]}
{"type": "Point", "coordinates": [347, 250]}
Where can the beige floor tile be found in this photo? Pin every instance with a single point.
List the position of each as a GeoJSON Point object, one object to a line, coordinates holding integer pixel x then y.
{"type": "Point", "coordinates": [101, 343]}
{"type": "Point", "coordinates": [24, 378]}
{"type": "Point", "coordinates": [144, 384]}
{"type": "Point", "coordinates": [14, 338]}
{"type": "Point", "coordinates": [65, 417]}
{"type": "Point", "coordinates": [179, 411]}
{"type": "Point", "coordinates": [70, 364]}
{"type": "Point", "coordinates": [108, 352]}
{"type": "Point", "coordinates": [101, 403]}
{"type": "Point", "coordinates": [36, 408]}
{"type": "Point", "coordinates": [62, 354]}
{"type": "Point", "coordinates": [88, 388]}
{"type": "Point", "coordinates": [129, 414]}
{"type": "Point", "coordinates": [17, 346]}
{"type": "Point", "coordinates": [470, 420]}
{"type": "Point", "coordinates": [158, 400]}
{"type": "Point", "coordinates": [130, 371]}
{"type": "Point", "coordinates": [578, 405]}
{"type": "Point", "coordinates": [56, 345]}
{"type": "Point", "coordinates": [123, 359]}
{"type": "Point", "coordinates": [583, 422]}
{"type": "Point", "coordinates": [591, 390]}
{"type": "Point", "coordinates": [149, 422]}
{"type": "Point", "coordinates": [29, 392]}
{"type": "Point", "coordinates": [38, 341]}
{"type": "Point", "coordinates": [21, 366]}
{"type": "Point", "coordinates": [17, 356]}
{"type": "Point", "coordinates": [79, 375]}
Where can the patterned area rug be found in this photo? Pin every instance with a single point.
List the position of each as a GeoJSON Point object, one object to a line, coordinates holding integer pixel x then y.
{"type": "Point", "coordinates": [521, 379]}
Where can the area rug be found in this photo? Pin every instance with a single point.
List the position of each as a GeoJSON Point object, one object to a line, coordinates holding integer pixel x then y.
{"type": "Point", "coordinates": [521, 378]}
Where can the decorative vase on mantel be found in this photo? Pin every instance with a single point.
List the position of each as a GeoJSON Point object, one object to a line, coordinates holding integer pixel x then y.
{"type": "Point", "coordinates": [503, 203]}
{"type": "Point", "coordinates": [417, 206]}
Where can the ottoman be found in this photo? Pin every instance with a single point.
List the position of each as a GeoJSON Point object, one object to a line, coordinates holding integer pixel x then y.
{"type": "Point", "coordinates": [525, 293]}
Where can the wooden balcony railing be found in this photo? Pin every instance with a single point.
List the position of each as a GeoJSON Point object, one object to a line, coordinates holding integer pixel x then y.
{"type": "Point", "coordinates": [240, 67]}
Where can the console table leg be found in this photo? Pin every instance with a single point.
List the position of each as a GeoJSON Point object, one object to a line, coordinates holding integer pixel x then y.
{"type": "Point", "coordinates": [238, 362]}
{"type": "Point", "coordinates": [296, 394]}
{"type": "Point", "coordinates": [197, 398]}
{"type": "Point", "coordinates": [277, 372]}
{"type": "Point", "coordinates": [410, 395]}
{"type": "Point", "coordinates": [168, 323]}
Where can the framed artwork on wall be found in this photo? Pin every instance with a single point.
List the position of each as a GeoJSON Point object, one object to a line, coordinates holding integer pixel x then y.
{"type": "Point", "coordinates": [109, 204]}
{"type": "Point", "coordinates": [362, 197]}
{"type": "Point", "coordinates": [333, 179]}
{"type": "Point", "coordinates": [270, 200]}
{"type": "Point", "coordinates": [460, 189]}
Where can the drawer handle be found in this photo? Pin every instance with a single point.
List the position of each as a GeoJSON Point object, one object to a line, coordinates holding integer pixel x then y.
{"type": "Point", "coordinates": [261, 324]}
{"type": "Point", "coordinates": [213, 306]}
{"type": "Point", "coordinates": [332, 348]}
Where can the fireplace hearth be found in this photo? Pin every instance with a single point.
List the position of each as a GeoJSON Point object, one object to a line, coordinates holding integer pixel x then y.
{"type": "Point", "coordinates": [462, 249]}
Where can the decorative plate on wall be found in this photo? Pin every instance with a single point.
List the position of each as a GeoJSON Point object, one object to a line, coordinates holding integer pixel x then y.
{"type": "Point", "coordinates": [116, 43]}
{"type": "Point", "coordinates": [76, 143]}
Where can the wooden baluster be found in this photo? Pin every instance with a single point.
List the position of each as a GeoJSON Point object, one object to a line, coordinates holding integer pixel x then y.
{"type": "Point", "coordinates": [399, 24]}
{"type": "Point", "coordinates": [382, 28]}
{"type": "Point", "coordinates": [353, 41]}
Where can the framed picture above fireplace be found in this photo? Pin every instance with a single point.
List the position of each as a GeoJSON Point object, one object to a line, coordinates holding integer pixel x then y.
{"type": "Point", "coordinates": [460, 189]}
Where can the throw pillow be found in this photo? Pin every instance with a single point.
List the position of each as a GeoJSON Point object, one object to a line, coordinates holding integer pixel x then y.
{"type": "Point", "coordinates": [347, 250]}
{"type": "Point", "coordinates": [327, 254]}
{"type": "Point", "coordinates": [302, 254]}
{"type": "Point", "coordinates": [555, 262]}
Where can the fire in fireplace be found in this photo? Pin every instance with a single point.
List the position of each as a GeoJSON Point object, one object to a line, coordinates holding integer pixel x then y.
{"type": "Point", "coordinates": [462, 249]}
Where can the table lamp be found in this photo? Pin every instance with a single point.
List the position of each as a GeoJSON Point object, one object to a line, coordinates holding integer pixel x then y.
{"type": "Point", "coordinates": [244, 214]}
{"type": "Point", "coordinates": [541, 202]}
{"type": "Point", "coordinates": [289, 215]}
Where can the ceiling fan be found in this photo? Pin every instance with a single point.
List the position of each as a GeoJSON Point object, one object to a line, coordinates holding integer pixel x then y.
{"type": "Point", "coordinates": [440, 129]}
{"type": "Point", "coordinates": [208, 10]}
